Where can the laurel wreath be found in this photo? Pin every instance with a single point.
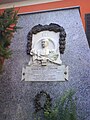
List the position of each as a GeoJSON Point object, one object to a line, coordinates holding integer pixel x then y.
{"type": "Point", "coordinates": [37, 103]}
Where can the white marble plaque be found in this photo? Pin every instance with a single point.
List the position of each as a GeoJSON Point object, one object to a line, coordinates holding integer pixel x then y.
{"type": "Point", "coordinates": [45, 73]}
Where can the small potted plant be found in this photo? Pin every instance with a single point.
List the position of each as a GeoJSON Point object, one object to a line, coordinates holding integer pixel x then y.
{"type": "Point", "coordinates": [8, 21]}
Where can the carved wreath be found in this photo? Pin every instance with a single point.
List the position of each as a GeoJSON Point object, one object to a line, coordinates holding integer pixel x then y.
{"type": "Point", "coordinates": [37, 103]}
{"type": "Point", "coordinates": [51, 27]}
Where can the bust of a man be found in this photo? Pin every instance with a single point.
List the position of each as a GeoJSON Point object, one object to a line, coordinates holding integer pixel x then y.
{"type": "Point", "coordinates": [42, 54]}
{"type": "Point", "coordinates": [45, 54]}
{"type": "Point", "coordinates": [45, 50]}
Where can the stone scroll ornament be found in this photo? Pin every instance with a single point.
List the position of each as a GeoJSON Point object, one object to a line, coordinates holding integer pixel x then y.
{"type": "Point", "coordinates": [46, 54]}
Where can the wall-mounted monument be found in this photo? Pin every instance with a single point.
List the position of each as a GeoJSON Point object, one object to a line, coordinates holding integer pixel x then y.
{"type": "Point", "coordinates": [16, 96]}
{"type": "Point", "coordinates": [45, 44]}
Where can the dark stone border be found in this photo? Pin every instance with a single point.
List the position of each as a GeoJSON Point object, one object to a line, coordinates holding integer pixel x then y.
{"type": "Point", "coordinates": [51, 27]}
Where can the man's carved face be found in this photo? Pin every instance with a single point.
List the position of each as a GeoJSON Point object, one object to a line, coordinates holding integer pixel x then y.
{"type": "Point", "coordinates": [44, 43]}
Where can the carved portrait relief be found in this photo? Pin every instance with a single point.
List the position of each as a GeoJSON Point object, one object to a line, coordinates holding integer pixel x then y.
{"type": "Point", "coordinates": [46, 43]}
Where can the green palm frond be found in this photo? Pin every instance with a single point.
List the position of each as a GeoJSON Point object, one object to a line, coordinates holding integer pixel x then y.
{"type": "Point", "coordinates": [64, 109]}
{"type": "Point", "coordinates": [5, 52]}
{"type": "Point", "coordinates": [8, 20]}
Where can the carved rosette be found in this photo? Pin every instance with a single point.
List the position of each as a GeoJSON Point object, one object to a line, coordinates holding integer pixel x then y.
{"type": "Point", "coordinates": [51, 27]}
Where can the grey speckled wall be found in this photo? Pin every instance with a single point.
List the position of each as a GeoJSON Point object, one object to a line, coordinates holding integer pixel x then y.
{"type": "Point", "coordinates": [16, 97]}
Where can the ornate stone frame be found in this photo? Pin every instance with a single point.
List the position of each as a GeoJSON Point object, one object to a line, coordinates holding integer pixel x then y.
{"type": "Point", "coordinates": [51, 27]}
